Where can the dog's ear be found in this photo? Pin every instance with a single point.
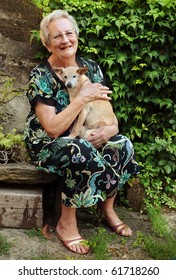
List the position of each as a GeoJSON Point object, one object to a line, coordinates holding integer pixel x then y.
{"type": "Point", "coordinates": [59, 70]}
{"type": "Point", "coordinates": [82, 70]}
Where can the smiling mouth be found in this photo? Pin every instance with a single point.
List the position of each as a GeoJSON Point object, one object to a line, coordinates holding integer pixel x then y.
{"type": "Point", "coordinates": [66, 47]}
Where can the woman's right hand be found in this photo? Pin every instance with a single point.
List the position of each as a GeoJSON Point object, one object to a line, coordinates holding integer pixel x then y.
{"type": "Point", "coordinates": [93, 91]}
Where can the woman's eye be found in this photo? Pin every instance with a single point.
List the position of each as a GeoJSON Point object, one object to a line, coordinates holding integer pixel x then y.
{"type": "Point", "coordinates": [57, 36]}
{"type": "Point", "coordinates": [69, 33]}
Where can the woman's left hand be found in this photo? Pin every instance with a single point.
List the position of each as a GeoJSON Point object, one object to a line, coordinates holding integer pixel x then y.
{"type": "Point", "coordinates": [101, 135]}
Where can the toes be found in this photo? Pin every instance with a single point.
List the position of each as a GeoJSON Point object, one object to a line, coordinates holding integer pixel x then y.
{"type": "Point", "coordinates": [78, 248]}
{"type": "Point", "coordinates": [127, 231]}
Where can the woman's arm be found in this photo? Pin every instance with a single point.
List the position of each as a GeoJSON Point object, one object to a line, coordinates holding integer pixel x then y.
{"type": "Point", "coordinates": [55, 124]}
{"type": "Point", "coordinates": [101, 135]}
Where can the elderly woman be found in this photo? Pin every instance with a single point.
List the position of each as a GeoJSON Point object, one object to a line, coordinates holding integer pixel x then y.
{"type": "Point", "coordinates": [94, 169]}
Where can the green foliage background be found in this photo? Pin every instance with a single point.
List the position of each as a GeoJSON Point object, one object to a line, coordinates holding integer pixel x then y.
{"type": "Point", "coordinates": [134, 43]}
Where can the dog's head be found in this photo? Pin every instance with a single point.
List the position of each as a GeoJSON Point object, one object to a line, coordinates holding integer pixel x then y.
{"type": "Point", "coordinates": [72, 76]}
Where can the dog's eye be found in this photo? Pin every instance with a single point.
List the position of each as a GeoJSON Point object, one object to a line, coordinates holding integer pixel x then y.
{"type": "Point", "coordinates": [74, 76]}
{"type": "Point", "coordinates": [65, 77]}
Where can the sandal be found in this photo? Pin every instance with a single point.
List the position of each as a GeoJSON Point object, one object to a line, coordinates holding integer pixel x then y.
{"type": "Point", "coordinates": [76, 241]}
{"type": "Point", "coordinates": [47, 231]}
{"type": "Point", "coordinates": [120, 228]}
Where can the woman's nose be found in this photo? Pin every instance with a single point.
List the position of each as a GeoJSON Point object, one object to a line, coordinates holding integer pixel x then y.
{"type": "Point", "coordinates": [64, 38]}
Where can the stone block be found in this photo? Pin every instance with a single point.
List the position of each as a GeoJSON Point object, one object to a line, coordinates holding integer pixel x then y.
{"type": "Point", "coordinates": [21, 207]}
{"type": "Point", "coordinates": [23, 173]}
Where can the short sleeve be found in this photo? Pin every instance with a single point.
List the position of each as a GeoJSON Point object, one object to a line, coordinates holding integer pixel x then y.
{"type": "Point", "coordinates": [41, 86]}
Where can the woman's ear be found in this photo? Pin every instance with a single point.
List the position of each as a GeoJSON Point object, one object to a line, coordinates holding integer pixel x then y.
{"type": "Point", "coordinates": [48, 49]}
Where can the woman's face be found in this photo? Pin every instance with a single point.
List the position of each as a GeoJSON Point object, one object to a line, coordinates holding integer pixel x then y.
{"type": "Point", "coordinates": [63, 41]}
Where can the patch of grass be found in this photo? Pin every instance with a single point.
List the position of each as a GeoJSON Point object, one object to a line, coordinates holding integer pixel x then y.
{"type": "Point", "coordinates": [139, 241]}
{"type": "Point", "coordinates": [160, 249]}
{"type": "Point", "coordinates": [44, 256]}
{"type": "Point", "coordinates": [99, 244]}
{"type": "Point", "coordinates": [36, 233]}
{"type": "Point", "coordinates": [4, 245]}
{"type": "Point", "coordinates": [161, 243]}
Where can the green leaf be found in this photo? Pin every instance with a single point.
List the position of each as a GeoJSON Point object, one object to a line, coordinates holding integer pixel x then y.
{"type": "Point", "coordinates": [168, 168]}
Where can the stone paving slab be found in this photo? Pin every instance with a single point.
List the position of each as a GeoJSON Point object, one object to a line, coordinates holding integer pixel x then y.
{"type": "Point", "coordinates": [25, 247]}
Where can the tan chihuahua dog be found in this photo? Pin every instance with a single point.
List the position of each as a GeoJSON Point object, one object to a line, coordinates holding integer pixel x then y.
{"type": "Point", "coordinates": [95, 114]}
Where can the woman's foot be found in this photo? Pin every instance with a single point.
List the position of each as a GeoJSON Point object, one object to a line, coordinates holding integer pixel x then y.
{"type": "Point", "coordinates": [113, 221]}
{"type": "Point", "coordinates": [71, 239]}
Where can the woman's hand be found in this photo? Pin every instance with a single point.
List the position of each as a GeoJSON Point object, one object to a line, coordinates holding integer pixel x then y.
{"type": "Point", "coordinates": [101, 135]}
{"type": "Point", "coordinates": [93, 91]}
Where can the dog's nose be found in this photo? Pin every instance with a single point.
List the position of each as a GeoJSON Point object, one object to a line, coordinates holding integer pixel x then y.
{"type": "Point", "coordinates": [69, 85]}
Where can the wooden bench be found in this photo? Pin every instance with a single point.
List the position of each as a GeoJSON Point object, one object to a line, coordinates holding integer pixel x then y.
{"type": "Point", "coordinates": [27, 196]}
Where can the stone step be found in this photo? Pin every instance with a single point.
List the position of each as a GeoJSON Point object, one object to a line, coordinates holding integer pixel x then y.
{"type": "Point", "coordinates": [21, 207]}
{"type": "Point", "coordinates": [25, 196]}
{"type": "Point", "coordinates": [19, 173]}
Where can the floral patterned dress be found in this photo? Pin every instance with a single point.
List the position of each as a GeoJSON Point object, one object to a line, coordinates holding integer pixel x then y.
{"type": "Point", "coordinates": [89, 175]}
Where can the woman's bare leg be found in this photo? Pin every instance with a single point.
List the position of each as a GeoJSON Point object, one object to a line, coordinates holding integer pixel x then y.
{"type": "Point", "coordinates": [67, 229]}
{"type": "Point", "coordinates": [107, 207]}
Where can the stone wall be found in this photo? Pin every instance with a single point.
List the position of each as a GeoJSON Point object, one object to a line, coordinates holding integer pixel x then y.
{"type": "Point", "coordinates": [24, 191]}
{"type": "Point", "coordinates": [17, 19]}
